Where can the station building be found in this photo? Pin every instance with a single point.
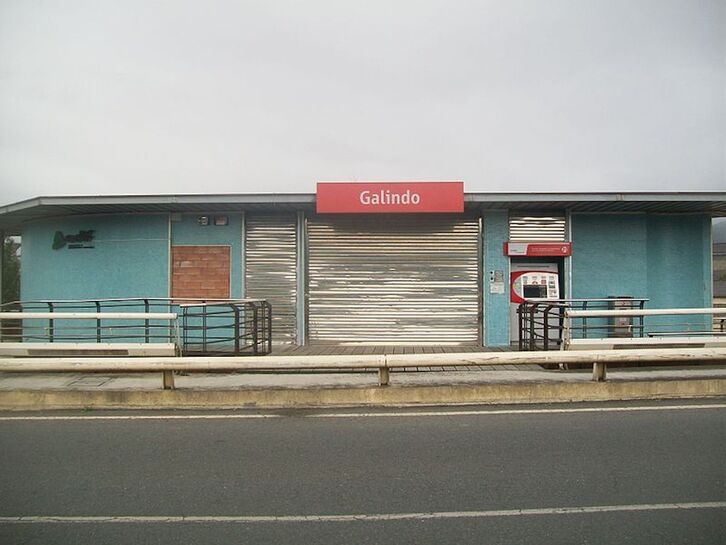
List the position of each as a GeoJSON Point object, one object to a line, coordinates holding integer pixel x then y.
{"type": "Point", "coordinates": [373, 262]}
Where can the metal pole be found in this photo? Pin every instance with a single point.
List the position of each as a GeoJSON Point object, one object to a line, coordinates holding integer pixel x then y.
{"type": "Point", "coordinates": [301, 280]}
{"type": "Point", "coordinates": [255, 327]}
{"type": "Point", "coordinates": [204, 326]}
{"type": "Point", "coordinates": [2, 267]}
{"type": "Point", "coordinates": [51, 332]}
{"type": "Point", "coordinates": [98, 322]}
{"type": "Point", "coordinates": [146, 322]}
{"type": "Point", "coordinates": [520, 333]}
{"type": "Point", "coordinates": [236, 329]}
{"type": "Point", "coordinates": [269, 327]}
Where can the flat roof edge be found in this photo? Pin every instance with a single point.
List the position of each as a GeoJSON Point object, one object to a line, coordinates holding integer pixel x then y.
{"type": "Point", "coordinates": [307, 198]}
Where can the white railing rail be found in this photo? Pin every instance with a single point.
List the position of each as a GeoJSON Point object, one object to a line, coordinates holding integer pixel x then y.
{"type": "Point", "coordinates": [626, 313]}
{"type": "Point", "coordinates": [382, 364]}
{"type": "Point", "coordinates": [88, 316]}
{"type": "Point", "coordinates": [144, 317]}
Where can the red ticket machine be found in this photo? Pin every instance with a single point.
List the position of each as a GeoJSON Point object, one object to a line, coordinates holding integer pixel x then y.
{"type": "Point", "coordinates": [533, 282]}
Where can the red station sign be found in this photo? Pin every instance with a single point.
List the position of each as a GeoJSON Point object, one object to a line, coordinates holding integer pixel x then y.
{"type": "Point", "coordinates": [538, 249]}
{"type": "Point", "coordinates": [389, 197]}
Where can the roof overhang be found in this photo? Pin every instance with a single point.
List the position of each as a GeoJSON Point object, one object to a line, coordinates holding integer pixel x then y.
{"type": "Point", "coordinates": [13, 216]}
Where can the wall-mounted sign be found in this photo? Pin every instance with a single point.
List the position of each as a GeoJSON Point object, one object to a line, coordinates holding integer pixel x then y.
{"type": "Point", "coordinates": [389, 197]}
{"type": "Point", "coordinates": [538, 249]}
{"type": "Point", "coordinates": [84, 239]}
{"type": "Point", "coordinates": [496, 282]}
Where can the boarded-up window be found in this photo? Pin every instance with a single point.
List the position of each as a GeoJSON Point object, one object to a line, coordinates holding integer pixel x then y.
{"type": "Point", "coordinates": [200, 272]}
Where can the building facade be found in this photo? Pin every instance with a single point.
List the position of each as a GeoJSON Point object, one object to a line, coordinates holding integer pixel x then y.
{"type": "Point", "coordinates": [375, 276]}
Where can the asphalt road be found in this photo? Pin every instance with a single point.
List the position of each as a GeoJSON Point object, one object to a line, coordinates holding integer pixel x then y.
{"type": "Point", "coordinates": [650, 473]}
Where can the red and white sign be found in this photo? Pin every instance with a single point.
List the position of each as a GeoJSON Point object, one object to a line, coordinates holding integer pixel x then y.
{"type": "Point", "coordinates": [538, 249]}
{"type": "Point", "coordinates": [389, 197]}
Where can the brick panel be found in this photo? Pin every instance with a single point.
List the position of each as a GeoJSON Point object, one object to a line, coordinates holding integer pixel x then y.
{"type": "Point", "coordinates": [200, 272]}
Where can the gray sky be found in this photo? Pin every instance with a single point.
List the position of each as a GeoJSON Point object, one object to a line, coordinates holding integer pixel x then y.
{"type": "Point", "coordinates": [100, 97]}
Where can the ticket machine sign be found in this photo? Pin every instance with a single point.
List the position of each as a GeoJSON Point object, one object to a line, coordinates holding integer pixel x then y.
{"type": "Point", "coordinates": [538, 249]}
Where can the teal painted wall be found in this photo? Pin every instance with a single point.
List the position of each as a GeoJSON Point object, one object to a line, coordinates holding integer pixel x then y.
{"type": "Point", "coordinates": [609, 255]}
{"type": "Point", "coordinates": [129, 259]}
{"type": "Point", "coordinates": [496, 306]}
{"type": "Point", "coordinates": [660, 257]}
{"type": "Point", "coordinates": [188, 233]}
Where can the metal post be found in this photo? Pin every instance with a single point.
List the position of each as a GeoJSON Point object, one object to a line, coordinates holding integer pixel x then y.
{"type": "Point", "coordinates": [269, 328]}
{"type": "Point", "coordinates": [204, 326]}
{"type": "Point", "coordinates": [520, 333]}
{"type": "Point", "coordinates": [300, 279]}
{"type": "Point", "coordinates": [168, 379]}
{"type": "Point", "coordinates": [383, 376]}
{"type": "Point", "coordinates": [185, 328]}
{"type": "Point", "coordinates": [51, 325]}
{"type": "Point", "coordinates": [546, 326]}
{"type": "Point", "coordinates": [599, 372]}
{"type": "Point", "coordinates": [255, 328]}
{"type": "Point", "coordinates": [236, 328]}
{"type": "Point", "coordinates": [532, 339]}
{"type": "Point", "coordinates": [2, 268]}
{"type": "Point", "coordinates": [98, 322]}
{"type": "Point", "coordinates": [146, 322]}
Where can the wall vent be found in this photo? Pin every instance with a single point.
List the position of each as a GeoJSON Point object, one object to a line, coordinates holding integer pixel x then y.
{"type": "Point", "coordinates": [527, 227]}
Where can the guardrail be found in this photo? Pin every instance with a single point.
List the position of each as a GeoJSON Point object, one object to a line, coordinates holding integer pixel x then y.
{"type": "Point", "coordinates": [381, 364]}
{"type": "Point", "coordinates": [205, 326]}
{"type": "Point", "coordinates": [656, 340]}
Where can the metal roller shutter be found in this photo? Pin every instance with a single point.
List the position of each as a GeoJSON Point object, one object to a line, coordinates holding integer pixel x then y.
{"type": "Point", "coordinates": [527, 227]}
{"type": "Point", "coordinates": [270, 268]}
{"type": "Point", "coordinates": [393, 279]}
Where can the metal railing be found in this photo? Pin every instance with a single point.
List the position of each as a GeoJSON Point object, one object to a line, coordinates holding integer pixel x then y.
{"type": "Point", "coordinates": [541, 323]}
{"type": "Point", "coordinates": [719, 322]}
{"type": "Point", "coordinates": [207, 326]}
{"type": "Point", "coordinates": [667, 323]}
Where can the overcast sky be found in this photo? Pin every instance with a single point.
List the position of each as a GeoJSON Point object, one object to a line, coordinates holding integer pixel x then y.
{"type": "Point", "coordinates": [100, 97]}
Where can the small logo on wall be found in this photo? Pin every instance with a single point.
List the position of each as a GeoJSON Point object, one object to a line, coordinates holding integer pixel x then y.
{"type": "Point", "coordinates": [84, 239]}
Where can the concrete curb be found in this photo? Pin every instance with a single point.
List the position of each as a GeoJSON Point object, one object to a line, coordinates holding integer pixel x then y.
{"type": "Point", "coordinates": [275, 398]}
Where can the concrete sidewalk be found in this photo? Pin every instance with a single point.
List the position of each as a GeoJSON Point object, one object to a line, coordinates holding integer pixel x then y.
{"type": "Point", "coordinates": [22, 391]}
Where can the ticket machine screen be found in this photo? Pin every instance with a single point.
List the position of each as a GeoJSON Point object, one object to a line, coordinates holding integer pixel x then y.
{"type": "Point", "coordinates": [535, 292]}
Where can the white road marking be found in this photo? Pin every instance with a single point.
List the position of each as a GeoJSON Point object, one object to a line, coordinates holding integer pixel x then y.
{"type": "Point", "coordinates": [375, 517]}
{"type": "Point", "coordinates": [145, 417]}
{"type": "Point", "coordinates": [523, 411]}
{"type": "Point", "coordinates": [404, 414]}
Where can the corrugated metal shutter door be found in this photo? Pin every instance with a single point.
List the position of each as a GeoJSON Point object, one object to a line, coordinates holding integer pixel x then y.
{"type": "Point", "coordinates": [389, 279]}
{"type": "Point", "coordinates": [270, 268]}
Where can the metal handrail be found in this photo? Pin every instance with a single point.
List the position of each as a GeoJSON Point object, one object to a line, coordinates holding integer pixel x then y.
{"type": "Point", "coordinates": [541, 322]}
{"type": "Point", "coordinates": [208, 326]}
{"type": "Point", "coordinates": [641, 313]}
